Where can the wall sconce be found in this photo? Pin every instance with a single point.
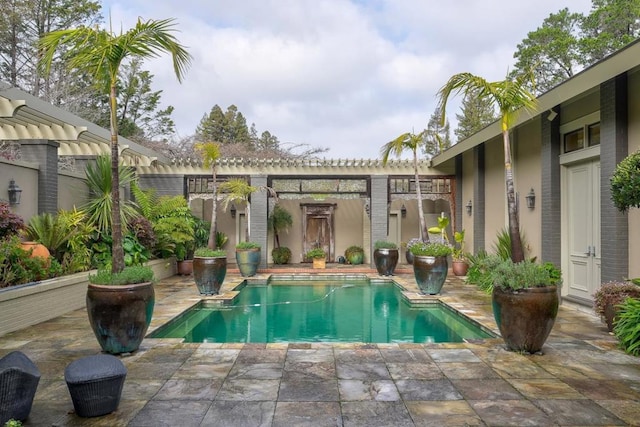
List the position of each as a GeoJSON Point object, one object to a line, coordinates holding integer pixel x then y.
{"type": "Point", "coordinates": [367, 208]}
{"type": "Point", "coordinates": [15, 193]}
{"type": "Point", "coordinates": [403, 211]}
{"type": "Point", "coordinates": [531, 199]}
{"type": "Point", "coordinates": [469, 207]}
{"type": "Point", "coordinates": [233, 210]}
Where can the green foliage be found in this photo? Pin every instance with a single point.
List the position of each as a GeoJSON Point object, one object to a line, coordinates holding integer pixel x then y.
{"type": "Point", "coordinates": [201, 232]}
{"type": "Point", "coordinates": [177, 234]}
{"type": "Point", "coordinates": [98, 207]}
{"type": "Point", "coordinates": [10, 224]}
{"type": "Point", "coordinates": [128, 276]}
{"type": "Point", "coordinates": [134, 252]}
{"type": "Point", "coordinates": [431, 249]}
{"type": "Point", "coordinates": [13, 423]}
{"type": "Point", "coordinates": [476, 114]}
{"type": "Point", "coordinates": [437, 135]}
{"type": "Point", "coordinates": [316, 253]}
{"type": "Point", "coordinates": [354, 254]}
{"type": "Point", "coordinates": [627, 326]}
{"type": "Point", "coordinates": [625, 183]}
{"type": "Point", "coordinates": [510, 276]}
{"type": "Point", "coordinates": [502, 245]}
{"type": "Point", "coordinates": [247, 245]}
{"type": "Point", "coordinates": [383, 244]}
{"type": "Point", "coordinates": [18, 267]}
{"type": "Point", "coordinates": [480, 267]}
{"type": "Point", "coordinates": [458, 253]}
{"type": "Point", "coordinates": [279, 220]}
{"type": "Point", "coordinates": [281, 255]}
{"type": "Point", "coordinates": [613, 293]}
{"type": "Point", "coordinates": [209, 253]}
{"type": "Point", "coordinates": [221, 239]}
{"type": "Point", "coordinates": [142, 229]}
{"type": "Point", "coordinates": [441, 229]}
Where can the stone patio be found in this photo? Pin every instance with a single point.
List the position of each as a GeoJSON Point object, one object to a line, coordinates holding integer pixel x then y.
{"type": "Point", "coordinates": [582, 379]}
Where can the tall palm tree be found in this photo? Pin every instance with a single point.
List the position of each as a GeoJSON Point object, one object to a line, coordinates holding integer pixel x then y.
{"type": "Point", "coordinates": [511, 96]}
{"type": "Point", "coordinates": [409, 141]}
{"type": "Point", "coordinates": [210, 153]}
{"type": "Point", "coordinates": [101, 53]}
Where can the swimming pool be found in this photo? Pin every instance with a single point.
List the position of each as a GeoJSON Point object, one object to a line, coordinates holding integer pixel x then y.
{"type": "Point", "coordinates": [321, 310]}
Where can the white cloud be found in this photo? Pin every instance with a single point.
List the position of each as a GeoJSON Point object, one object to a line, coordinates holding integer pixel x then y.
{"type": "Point", "coordinates": [348, 75]}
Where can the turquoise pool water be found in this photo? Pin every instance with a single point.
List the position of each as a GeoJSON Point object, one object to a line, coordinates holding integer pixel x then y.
{"type": "Point", "coordinates": [320, 311]}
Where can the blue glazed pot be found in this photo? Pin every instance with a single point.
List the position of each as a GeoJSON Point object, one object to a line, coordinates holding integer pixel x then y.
{"type": "Point", "coordinates": [209, 274]}
{"type": "Point", "coordinates": [248, 261]}
{"type": "Point", "coordinates": [430, 273]}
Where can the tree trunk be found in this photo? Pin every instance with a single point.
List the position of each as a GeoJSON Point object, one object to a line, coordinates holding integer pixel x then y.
{"type": "Point", "coordinates": [424, 234]}
{"type": "Point", "coordinates": [117, 252]}
{"type": "Point", "coordinates": [517, 251]}
{"type": "Point", "coordinates": [211, 244]}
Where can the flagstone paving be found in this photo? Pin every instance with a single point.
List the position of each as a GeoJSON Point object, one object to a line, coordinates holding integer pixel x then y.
{"type": "Point", "coordinates": [581, 379]}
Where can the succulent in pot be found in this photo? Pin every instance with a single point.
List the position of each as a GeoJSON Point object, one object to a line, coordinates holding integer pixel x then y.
{"type": "Point", "coordinates": [525, 302]}
{"type": "Point", "coordinates": [120, 307]}
{"type": "Point", "coordinates": [430, 265]}
{"type": "Point", "coordinates": [385, 257]}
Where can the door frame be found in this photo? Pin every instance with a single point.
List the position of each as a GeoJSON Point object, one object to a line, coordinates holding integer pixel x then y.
{"type": "Point", "coordinates": [319, 209]}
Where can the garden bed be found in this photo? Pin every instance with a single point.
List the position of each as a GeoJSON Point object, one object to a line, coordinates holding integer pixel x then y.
{"type": "Point", "coordinates": [32, 303]}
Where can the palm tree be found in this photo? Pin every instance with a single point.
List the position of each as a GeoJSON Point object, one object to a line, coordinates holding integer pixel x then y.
{"type": "Point", "coordinates": [279, 220]}
{"type": "Point", "coordinates": [210, 153]}
{"type": "Point", "coordinates": [409, 141]}
{"type": "Point", "coordinates": [510, 96]}
{"type": "Point", "coordinates": [101, 53]}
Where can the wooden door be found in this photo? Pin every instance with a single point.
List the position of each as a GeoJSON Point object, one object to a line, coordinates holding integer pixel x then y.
{"type": "Point", "coordinates": [317, 223]}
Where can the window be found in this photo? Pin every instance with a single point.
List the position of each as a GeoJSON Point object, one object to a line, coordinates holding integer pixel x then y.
{"type": "Point", "coordinates": [575, 140]}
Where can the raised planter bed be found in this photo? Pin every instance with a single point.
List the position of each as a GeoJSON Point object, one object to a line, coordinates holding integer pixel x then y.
{"type": "Point", "coordinates": [32, 303]}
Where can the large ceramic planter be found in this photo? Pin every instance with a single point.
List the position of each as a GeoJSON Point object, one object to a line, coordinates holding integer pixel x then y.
{"type": "Point", "coordinates": [386, 261]}
{"type": "Point", "coordinates": [120, 315]}
{"type": "Point", "coordinates": [409, 256]}
{"type": "Point", "coordinates": [356, 258]}
{"type": "Point", "coordinates": [209, 274]}
{"type": "Point", "coordinates": [248, 261]}
{"type": "Point", "coordinates": [185, 267]}
{"type": "Point", "coordinates": [430, 273]}
{"type": "Point", "coordinates": [525, 317]}
{"type": "Point", "coordinates": [459, 268]}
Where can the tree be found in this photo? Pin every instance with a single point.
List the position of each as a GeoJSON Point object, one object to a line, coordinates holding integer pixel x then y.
{"type": "Point", "coordinates": [279, 220]}
{"type": "Point", "coordinates": [552, 50]}
{"type": "Point", "coordinates": [438, 135]}
{"type": "Point", "coordinates": [102, 53]}
{"type": "Point", "coordinates": [22, 24]}
{"type": "Point", "coordinates": [412, 142]}
{"type": "Point", "coordinates": [228, 127]}
{"type": "Point", "coordinates": [611, 25]}
{"type": "Point", "coordinates": [510, 96]}
{"type": "Point", "coordinates": [477, 113]}
{"type": "Point", "coordinates": [210, 152]}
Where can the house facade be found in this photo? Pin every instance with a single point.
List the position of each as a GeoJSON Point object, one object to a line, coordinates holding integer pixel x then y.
{"type": "Point", "coordinates": [564, 155]}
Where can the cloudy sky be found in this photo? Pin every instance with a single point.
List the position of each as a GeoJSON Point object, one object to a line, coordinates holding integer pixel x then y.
{"type": "Point", "coordinates": [348, 75]}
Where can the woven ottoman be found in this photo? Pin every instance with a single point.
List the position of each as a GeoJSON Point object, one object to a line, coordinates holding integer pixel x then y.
{"type": "Point", "coordinates": [19, 379]}
{"type": "Point", "coordinates": [95, 384]}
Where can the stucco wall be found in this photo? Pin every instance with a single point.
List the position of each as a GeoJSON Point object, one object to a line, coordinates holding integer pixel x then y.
{"type": "Point", "coordinates": [495, 205]}
{"type": "Point", "coordinates": [72, 191]}
{"type": "Point", "coordinates": [467, 194]}
{"type": "Point", "coordinates": [634, 145]}
{"type": "Point", "coordinates": [26, 177]}
{"type": "Point", "coordinates": [580, 107]}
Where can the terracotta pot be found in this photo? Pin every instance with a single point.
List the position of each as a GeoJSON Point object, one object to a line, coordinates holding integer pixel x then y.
{"type": "Point", "coordinates": [525, 317]}
{"type": "Point", "coordinates": [185, 267]}
{"type": "Point", "coordinates": [248, 261]}
{"type": "Point", "coordinates": [120, 315]}
{"type": "Point", "coordinates": [386, 261]}
{"type": "Point", "coordinates": [459, 268]}
{"type": "Point", "coordinates": [209, 274]}
{"type": "Point", "coordinates": [430, 273]}
{"type": "Point", "coordinates": [38, 250]}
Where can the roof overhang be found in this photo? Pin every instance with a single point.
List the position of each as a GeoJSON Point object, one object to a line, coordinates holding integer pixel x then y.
{"type": "Point", "coordinates": [626, 59]}
{"type": "Point", "coordinates": [25, 117]}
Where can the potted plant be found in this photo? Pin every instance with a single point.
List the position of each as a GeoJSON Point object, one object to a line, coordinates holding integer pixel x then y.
{"type": "Point", "coordinates": [209, 270]}
{"type": "Point", "coordinates": [318, 256]}
{"type": "Point", "coordinates": [459, 264]}
{"type": "Point", "coordinates": [279, 220]}
{"type": "Point", "coordinates": [525, 302]}
{"type": "Point", "coordinates": [248, 258]}
{"type": "Point", "coordinates": [120, 307]}
{"type": "Point", "coordinates": [354, 255]}
{"type": "Point", "coordinates": [385, 257]}
{"type": "Point", "coordinates": [610, 295]}
{"type": "Point", "coordinates": [430, 266]}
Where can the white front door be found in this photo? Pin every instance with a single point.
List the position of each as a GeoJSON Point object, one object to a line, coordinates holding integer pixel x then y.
{"type": "Point", "coordinates": [582, 229]}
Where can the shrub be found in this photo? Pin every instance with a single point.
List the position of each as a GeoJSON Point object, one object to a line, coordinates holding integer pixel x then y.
{"type": "Point", "coordinates": [480, 267]}
{"type": "Point", "coordinates": [128, 276]}
{"type": "Point", "coordinates": [209, 253]}
{"type": "Point", "coordinates": [142, 229]}
{"type": "Point", "coordinates": [625, 183]}
{"type": "Point", "coordinates": [281, 255]}
{"type": "Point", "coordinates": [247, 245]}
{"type": "Point", "coordinates": [316, 253]}
{"type": "Point", "coordinates": [510, 276]}
{"type": "Point", "coordinates": [18, 267]}
{"type": "Point", "coordinates": [383, 244]}
{"type": "Point", "coordinates": [431, 249]}
{"type": "Point", "coordinates": [10, 224]}
{"type": "Point", "coordinates": [626, 327]}
{"type": "Point", "coordinates": [613, 293]}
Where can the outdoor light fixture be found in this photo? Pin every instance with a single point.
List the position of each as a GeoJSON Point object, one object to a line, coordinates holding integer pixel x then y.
{"type": "Point", "coordinates": [367, 208]}
{"type": "Point", "coordinates": [469, 207]}
{"type": "Point", "coordinates": [552, 115]}
{"type": "Point", "coordinates": [531, 199]}
{"type": "Point", "coordinates": [233, 210]}
{"type": "Point", "coordinates": [14, 193]}
{"type": "Point", "coordinates": [403, 211]}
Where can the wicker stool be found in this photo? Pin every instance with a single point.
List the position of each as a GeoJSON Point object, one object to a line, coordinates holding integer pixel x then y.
{"type": "Point", "coordinates": [95, 384]}
{"type": "Point", "coordinates": [19, 379]}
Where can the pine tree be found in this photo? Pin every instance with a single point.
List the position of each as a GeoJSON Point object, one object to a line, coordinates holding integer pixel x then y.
{"type": "Point", "coordinates": [438, 136]}
{"type": "Point", "coordinates": [476, 113]}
